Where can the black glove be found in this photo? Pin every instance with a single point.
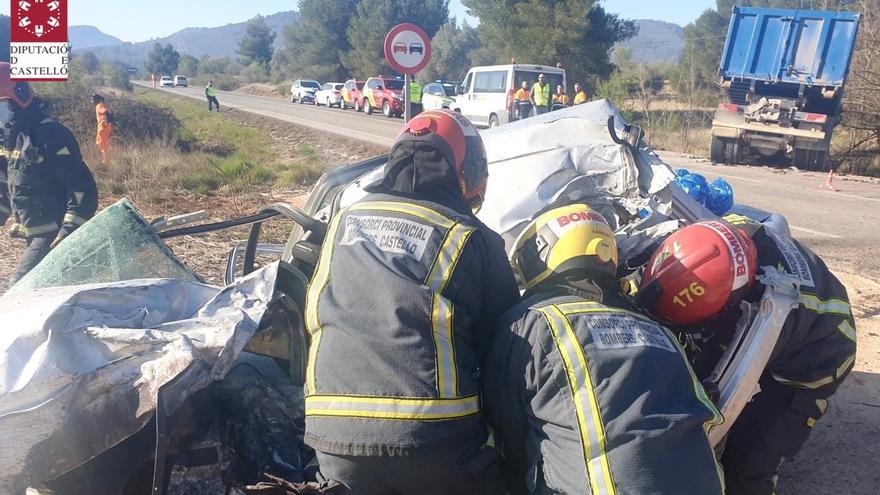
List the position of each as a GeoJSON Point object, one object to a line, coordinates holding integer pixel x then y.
{"type": "Point", "coordinates": [65, 231]}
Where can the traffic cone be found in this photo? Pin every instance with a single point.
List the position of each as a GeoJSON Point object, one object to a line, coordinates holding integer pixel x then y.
{"type": "Point", "coordinates": [829, 182]}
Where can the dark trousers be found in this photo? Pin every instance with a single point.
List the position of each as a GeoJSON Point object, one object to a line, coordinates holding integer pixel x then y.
{"type": "Point", "coordinates": [212, 100]}
{"type": "Point", "coordinates": [471, 471]}
{"type": "Point", "coordinates": [540, 110]}
{"type": "Point", "coordinates": [772, 427]}
{"type": "Point", "coordinates": [36, 250]}
{"type": "Point", "coordinates": [415, 109]}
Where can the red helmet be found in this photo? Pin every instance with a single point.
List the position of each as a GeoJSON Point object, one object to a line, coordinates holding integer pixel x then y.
{"type": "Point", "coordinates": [697, 272]}
{"type": "Point", "coordinates": [17, 91]}
{"type": "Point", "coordinates": [460, 144]}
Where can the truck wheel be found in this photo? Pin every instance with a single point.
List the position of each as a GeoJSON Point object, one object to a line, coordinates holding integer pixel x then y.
{"type": "Point", "coordinates": [731, 151]}
{"type": "Point", "coordinates": [493, 121]}
{"type": "Point", "coordinates": [813, 160]}
{"type": "Point", "coordinates": [716, 150]}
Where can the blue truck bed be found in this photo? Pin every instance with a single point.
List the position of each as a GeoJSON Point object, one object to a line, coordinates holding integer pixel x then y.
{"type": "Point", "coordinates": [789, 46]}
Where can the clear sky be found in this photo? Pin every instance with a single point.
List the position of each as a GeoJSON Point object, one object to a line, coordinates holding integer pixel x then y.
{"type": "Point", "coordinates": [139, 20]}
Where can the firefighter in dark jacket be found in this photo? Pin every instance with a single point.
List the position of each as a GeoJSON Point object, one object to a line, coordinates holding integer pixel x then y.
{"type": "Point", "coordinates": [44, 183]}
{"type": "Point", "coordinates": [696, 281]}
{"type": "Point", "coordinates": [400, 309]}
{"type": "Point", "coordinates": [586, 395]}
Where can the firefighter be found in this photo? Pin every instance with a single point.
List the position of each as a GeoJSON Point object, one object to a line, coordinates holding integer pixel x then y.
{"type": "Point", "coordinates": [580, 96]}
{"type": "Point", "coordinates": [696, 281]}
{"type": "Point", "coordinates": [400, 310]}
{"type": "Point", "coordinates": [560, 99]}
{"type": "Point", "coordinates": [211, 95]}
{"type": "Point", "coordinates": [415, 97]}
{"type": "Point", "coordinates": [44, 183]}
{"type": "Point", "coordinates": [105, 128]}
{"type": "Point", "coordinates": [540, 96]}
{"type": "Point", "coordinates": [587, 396]}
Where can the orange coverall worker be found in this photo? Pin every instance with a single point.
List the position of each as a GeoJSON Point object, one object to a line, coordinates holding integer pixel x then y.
{"type": "Point", "coordinates": [105, 130]}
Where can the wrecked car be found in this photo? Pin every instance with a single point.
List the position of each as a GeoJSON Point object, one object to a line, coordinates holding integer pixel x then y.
{"type": "Point", "coordinates": [193, 389]}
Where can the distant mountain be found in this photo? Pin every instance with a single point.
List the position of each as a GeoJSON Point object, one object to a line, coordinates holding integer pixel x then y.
{"type": "Point", "coordinates": [82, 37]}
{"type": "Point", "coordinates": [658, 42]}
{"type": "Point", "coordinates": [198, 42]}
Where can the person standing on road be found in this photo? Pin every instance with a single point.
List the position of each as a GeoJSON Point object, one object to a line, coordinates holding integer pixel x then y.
{"type": "Point", "coordinates": [392, 399]}
{"type": "Point", "coordinates": [522, 99]}
{"type": "Point", "coordinates": [44, 183]}
{"type": "Point", "coordinates": [105, 128]}
{"type": "Point", "coordinates": [697, 280]}
{"type": "Point", "coordinates": [415, 97]}
{"type": "Point", "coordinates": [541, 94]}
{"type": "Point", "coordinates": [560, 99]}
{"type": "Point", "coordinates": [580, 96]}
{"type": "Point", "coordinates": [586, 395]}
{"type": "Point", "coordinates": [211, 95]}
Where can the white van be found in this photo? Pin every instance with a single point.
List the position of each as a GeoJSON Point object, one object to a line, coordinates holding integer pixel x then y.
{"type": "Point", "coordinates": [485, 96]}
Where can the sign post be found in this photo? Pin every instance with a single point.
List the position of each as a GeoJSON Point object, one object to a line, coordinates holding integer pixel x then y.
{"type": "Point", "coordinates": [407, 50]}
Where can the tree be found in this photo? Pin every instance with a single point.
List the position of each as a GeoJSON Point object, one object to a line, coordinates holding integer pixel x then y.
{"type": "Point", "coordinates": [256, 44]}
{"type": "Point", "coordinates": [373, 19]}
{"type": "Point", "coordinates": [162, 59]}
{"type": "Point", "coordinates": [4, 38]}
{"type": "Point", "coordinates": [451, 51]}
{"type": "Point", "coordinates": [89, 62]}
{"type": "Point", "coordinates": [189, 65]}
{"type": "Point", "coordinates": [578, 33]}
{"type": "Point", "coordinates": [314, 45]}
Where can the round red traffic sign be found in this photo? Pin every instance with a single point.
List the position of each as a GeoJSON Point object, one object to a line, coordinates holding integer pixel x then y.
{"type": "Point", "coordinates": [407, 48]}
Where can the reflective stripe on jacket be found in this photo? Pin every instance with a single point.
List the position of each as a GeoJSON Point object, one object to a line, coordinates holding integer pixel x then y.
{"type": "Point", "coordinates": [394, 312]}
{"type": "Point", "coordinates": [541, 94]}
{"type": "Point", "coordinates": [591, 399]}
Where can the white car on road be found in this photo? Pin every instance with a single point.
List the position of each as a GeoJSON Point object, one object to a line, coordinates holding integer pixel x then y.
{"type": "Point", "coordinates": [166, 82]}
{"type": "Point", "coordinates": [330, 94]}
{"type": "Point", "coordinates": [304, 89]}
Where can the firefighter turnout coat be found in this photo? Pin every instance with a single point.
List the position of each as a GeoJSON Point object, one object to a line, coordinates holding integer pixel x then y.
{"type": "Point", "coordinates": [399, 310]}
{"type": "Point", "coordinates": [44, 181]}
{"type": "Point", "coordinates": [591, 398]}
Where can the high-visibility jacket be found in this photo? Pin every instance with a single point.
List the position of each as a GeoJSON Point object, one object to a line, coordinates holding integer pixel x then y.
{"type": "Point", "coordinates": [209, 90]}
{"type": "Point", "coordinates": [580, 97]}
{"type": "Point", "coordinates": [399, 311]}
{"type": "Point", "coordinates": [415, 92]}
{"type": "Point", "coordinates": [590, 398]}
{"type": "Point", "coordinates": [522, 95]}
{"type": "Point", "coordinates": [101, 116]}
{"type": "Point", "coordinates": [44, 182]}
{"type": "Point", "coordinates": [541, 94]}
{"type": "Point", "coordinates": [560, 98]}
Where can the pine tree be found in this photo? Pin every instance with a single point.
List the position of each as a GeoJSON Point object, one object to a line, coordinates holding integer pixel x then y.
{"type": "Point", "coordinates": [256, 44]}
{"type": "Point", "coordinates": [313, 46]}
{"type": "Point", "coordinates": [451, 52]}
{"type": "Point", "coordinates": [162, 60]}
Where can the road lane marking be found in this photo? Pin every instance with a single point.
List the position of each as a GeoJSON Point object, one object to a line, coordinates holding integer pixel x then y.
{"type": "Point", "coordinates": [815, 232]}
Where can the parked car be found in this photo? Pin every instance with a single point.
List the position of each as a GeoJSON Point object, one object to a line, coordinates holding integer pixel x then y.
{"type": "Point", "coordinates": [166, 82]}
{"type": "Point", "coordinates": [181, 81]}
{"type": "Point", "coordinates": [303, 90]}
{"type": "Point", "coordinates": [438, 95]}
{"type": "Point", "coordinates": [352, 95]}
{"type": "Point", "coordinates": [385, 93]}
{"type": "Point", "coordinates": [330, 94]}
{"type": "Point", "coordinates": [486, 95]}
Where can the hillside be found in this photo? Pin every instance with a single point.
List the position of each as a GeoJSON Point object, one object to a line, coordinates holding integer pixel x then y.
{"type": "Point", "coordinates": [658, 42]}
{"type": "Point", "coordinates": [216, 41]}
{"type": "Point", "coordinates": [83, 37]}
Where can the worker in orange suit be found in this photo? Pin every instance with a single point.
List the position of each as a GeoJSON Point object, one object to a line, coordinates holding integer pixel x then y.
{"type": "Point", "coordinates": [105, 128]}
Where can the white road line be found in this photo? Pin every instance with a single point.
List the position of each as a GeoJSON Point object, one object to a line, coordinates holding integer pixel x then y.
{"type": "Point", "coordinates": [815, 232]}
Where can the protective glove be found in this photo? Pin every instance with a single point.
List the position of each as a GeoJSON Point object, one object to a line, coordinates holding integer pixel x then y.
{"type": "Point", "coordinates": [65, 231]}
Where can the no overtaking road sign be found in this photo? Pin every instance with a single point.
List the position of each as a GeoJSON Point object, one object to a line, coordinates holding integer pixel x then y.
{"type": "Point", "coordinates": [407, 48]}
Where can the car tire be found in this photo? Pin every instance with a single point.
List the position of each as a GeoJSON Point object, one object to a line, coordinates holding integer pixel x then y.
{"type": "Point", "coordinates": [493, 121]}
{"type": "Point", "coordinates": [716, 150]}
{"type": "Point", "coordinates": [357, 106]}
{"type": "Point", "coordinates": [386, 109]}
{"type": "Point", "coordinates": [315, 101]}
{"type": "Point", "coordinates": [368, 108]}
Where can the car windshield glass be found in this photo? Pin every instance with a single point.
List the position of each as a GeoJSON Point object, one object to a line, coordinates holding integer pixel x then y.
{"type": "Point", "coordinates": [449, 89]}
{"type": "Point", "coordinates": [310, 84]}
{"type": "Point", "coordinates": [338, 86]}
{"type": "Point", "coordinates": [393, 84]}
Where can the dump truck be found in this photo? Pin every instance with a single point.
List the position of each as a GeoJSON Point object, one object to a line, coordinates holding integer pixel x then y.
{"type": "Point", "coordinates": [783, 73]}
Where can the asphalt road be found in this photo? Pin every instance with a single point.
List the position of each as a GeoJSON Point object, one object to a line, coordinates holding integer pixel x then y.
{"type": "Point", "coordinates": [375, 128]}
{"type": "Point", "coordinates": [841, 226]}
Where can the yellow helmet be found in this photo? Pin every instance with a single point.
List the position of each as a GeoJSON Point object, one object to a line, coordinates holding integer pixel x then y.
{"type": "Point", "coordinates": [572, 237]}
